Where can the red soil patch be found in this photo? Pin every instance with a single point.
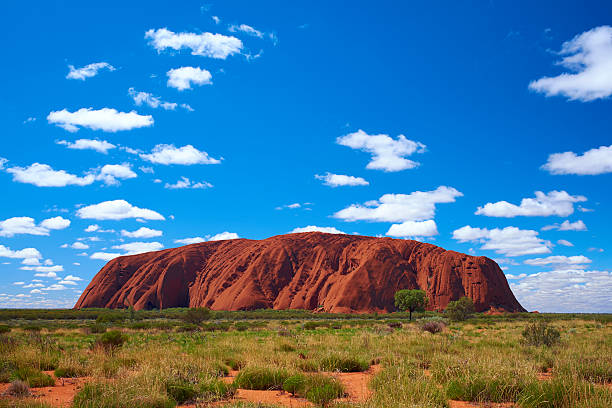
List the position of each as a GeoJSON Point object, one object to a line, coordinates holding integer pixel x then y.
{"type": "Point", "coordinates": [60, 395]}
{"type": "Point", "coordinates": [356, 384]}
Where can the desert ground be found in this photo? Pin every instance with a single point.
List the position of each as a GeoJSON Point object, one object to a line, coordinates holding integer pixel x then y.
{"type": "Point", "coordinates": [97, 358]}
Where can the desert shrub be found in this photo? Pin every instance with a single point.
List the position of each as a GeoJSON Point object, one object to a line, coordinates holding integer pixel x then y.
{"type": "Point", "coordinates": [484, 389]}
{"type": "Point", "coordinates": [180, 391]}
{"type": "Point", "coordinates": [217, 326]}
{"type": "Point", "coordinates": [260, 378]}
{"type": "Point", "coordinates": [196, 315]}
{"type": "Point", "coordinates": [95, 329]}
{"type": "Point", "coordinates": [32, 327]}
{"type": "Point", "coordinates": [295, 384]}
{"type": "Point", "coordinates": [108, 395]}
{"type": "Point", "coordinates": [591, 369]}
{"type": "Point", "coordinates": [18, 388]}
{"type": "Point", "coordinates": [111, 340]}
{"type": "Point", "coordinates": [286, 347]}
{"type": "Point", "coordinates": [403, 385]}
{"type": "Point", "coordinates": [68, 372]}
{"type": "Point", "coordinates": [215, 389]}
{"type": "Point", "coordinates": [541, 334]}
{"type": "Point", "coordinates": [220, 370]}
{"type": "Point", "coordinates": [33, 377]}
{"type": "Point", "coordinates": [563, 393]}
{"type": "Point", "coordinates": [242, 326]}
{"type": "Point", "coordinates": [313, 325]}
{"type": "Point", "coordinates": [4, 329]}
{"type": "Point", "coordinates": [187, 327]}
{"type": "Point", "coordinates": [233, 363]}
{"type": "Point", "coordinates": [322, 390]}
{"type": "Point", "coordinates": [343, 364]}
{"type": "Point", "coordinates": [460, 310]}
{"type": "Point", "coordinates": [395, 325]}
{"type": "Point", "coordinates": [432, 327]}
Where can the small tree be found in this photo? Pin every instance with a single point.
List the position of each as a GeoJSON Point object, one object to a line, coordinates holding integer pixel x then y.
{"type": "Point", "coordinates": [460, 309]}
{"type": "Point", "coordinates": [412, 300]}
{"type": "Point", "coordinates": [196, 315]}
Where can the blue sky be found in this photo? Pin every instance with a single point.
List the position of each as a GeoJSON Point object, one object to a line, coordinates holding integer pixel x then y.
{"type": "Point", "coordinates": [481, 127]}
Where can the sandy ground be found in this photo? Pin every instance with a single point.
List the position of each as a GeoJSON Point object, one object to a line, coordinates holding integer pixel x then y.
{"type": "Point", "coordinates": [60, 395]}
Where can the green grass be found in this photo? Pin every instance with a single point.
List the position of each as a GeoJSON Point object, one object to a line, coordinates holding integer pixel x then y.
{"type": "Point", "coordinates": [261, 378]}
{"type": "Point", "coordinates": [33, 377]}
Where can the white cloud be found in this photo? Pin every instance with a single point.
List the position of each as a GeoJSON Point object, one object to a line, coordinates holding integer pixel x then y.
{"type": "Point", "coordinates": [153, 101]}
{"type": "Point", "coordinates": [567, 226]}
{"type": "Point", "coordinates": [21, 225]}
{"type": "Point", "coordinates": [88, 71]}
{"type": "Point", "coordinates": [2, 162]}
{"type": "Point", "coordinates": [44, 271]}
{"type": "Point", "coordinates": [42, 175]}
{"type": "Point", "coordinates": [6, 252]}
{"type": "Point", "coordinates": [31, 261]}
{"type": "Point", "coordinates": [92, 228]}
{"type": "Point", "coordinates": [116, 210]}
{"type": "Point", "coordinates": [55, 286]}
{"type": "Point", "coordinates": [142, 232]}
{"type": "Point", "coordinates": [335, 180]}
{"type": "Point", "coordinates": [314, 228]}
{"type": "Point", "coordinates": [18, 283]}
{"type": "Point", "coordinates": [247, 29]}
{"type": "Point", "coordinates": [188, 241]}
{"type": "Point", "coordinates": [592, 162]}
{"type": "Point", "coordinates": [72, 278]}
{"type": "Point", "coordinates": [206, 44]}
{"type": "Point", "coordinates": [182, 78]}
{"type": "Point", "coordinates": [69, 282]}
{"type": "Point", "coordinates": [588, 57]}
{"type": "Point", "coordinates": [36, 291]}
{"type": "Point", "coordinates": [581, 291]}
{"type": "Point", "coordinates": [543, 205]}
{"type": "Point", "coordinates": [223, 236]}
{"type": "Point", "coordinates": [100, 146]}
{"type": "Point", "coordinates": [416, 206]}
{"type": "Point", "coordinates": [79, 245]}
{"type": "Point", "coordinates": [426, 228]}
{"type": "Point", "coordinates": [105, 256]}
{"type": "Point", "coordinates": [55, 223]}
{"type": "Point", "coordinates": [170, 154]}
{"type": "Point", "coordinates": [216, 19]}
{"type": "Point", "coordinates": [106, 119]}
{"type": "Point", "coordinates": [509, 241]}
{"type": "Point", "coordinates": [184, 182]}
{"type": "Point", "coordinates": [133, 248]}
{"type": "Point", "coordinates": [515, 277]}
{"type": "Point", "coordinates": [388, 154]}
{"type": "Point", "coordinates": [109, 173]}
{"type": "Point", "coordinates": [560, 262]}
{"type": "Point", "coordinates": [565, 243]}
{"type": "Point", "coordinates": [33, 285]}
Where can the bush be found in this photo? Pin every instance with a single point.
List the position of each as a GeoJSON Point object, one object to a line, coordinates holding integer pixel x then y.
{"type": "Point", "coordinates": [432, 327]}
{"type": "Point", "coordinates": [242, 326]}
{"type": "Point", "coordinates": [460, 310]}
{"type": "Point", "coordinates": [233, 363]}
{"type": "Point", "coordinates": [4, 329]}
{"type": "Point", "coordinates": [196, 315]}
{"type": "Point", "coordinates": [95, 329]}
{"type": "Point", "coordinates": [180, 391]}
{"type": "Point", "coordinates": [322, 390]}
{"type": "Point", "coordinates": [286, 347]}
{"type": "Point", "coordinates": [215, 389]}
{"type": "Point", "coordinates": [257, 378]}
{"type": "Point", "coordinates": [18, 388]}
{"type": "Point", "coordinates": [481, 389]}
{"type": "Point", "coordinates": [111, 340]}
{"type": "Point", "coordinates": [68, 372]}
{"type": "Point", "coordinates": [295, 384]}
{"type": "Point", "coordinates": [343, 364]}
{"type": "Point", "coordinates": [108, 395]}
{"type": "Point", "coordinates": [33, 377]}
{"type": "Point", "coordinates": [540, 334]}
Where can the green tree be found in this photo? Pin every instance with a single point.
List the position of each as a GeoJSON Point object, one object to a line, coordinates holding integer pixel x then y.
{"type": "Point", "coordinates": [196, 315]}
{"type": "Point", "coordinates": [460, 309]}
{"type": "Point", "coordinates": [413, 300]}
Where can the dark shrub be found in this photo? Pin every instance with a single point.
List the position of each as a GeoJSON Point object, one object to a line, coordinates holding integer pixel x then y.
{"type": "Point", "coordinates": [461, 309]}
{"type": "Point", "coordinates": [257, 378]}
{"type": "Point", "coordinates": [180, 391]}
{"type": "Point", "coordinates": [242, 326]}
{"type": "Point", "coordinates": [395, 325]}
{"type": "Point", "coordinates": [343, 364]}
{"type": "Point", "coordinates": [233, 363]}
{"type": "Point", "coordinates": [18, 388]}
{"type": "Point", "coordinates": [68, 372]}
{"type": "Point", "coordinates": [187, 327]}
{"type": "Point", "coordinates": [33, 377]}
{"type": "Point", "coordinates": [111, 340]}
{"type": "Point", "coordinates": [196, 315]}
{"type": "Point", "coordinates": [4, 329]}
{"type": "Point", "coordinates": [540, 334]}
{"type": "Point", "coordinates": [96, 329]}
{"type": "Point", "coordinates": [286, 347]}
{"type": "Point", "coordinates": [214, 389]}
{"type": "Point", "coordinates": [433, 327]}
{"type": "Point", "coordinates": [322, 390]}
{"type": "Point", "coordinates": [295, 384]}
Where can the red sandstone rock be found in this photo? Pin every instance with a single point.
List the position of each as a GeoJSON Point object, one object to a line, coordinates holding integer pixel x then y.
{"type": "Point", "coordinates": [339, 273]}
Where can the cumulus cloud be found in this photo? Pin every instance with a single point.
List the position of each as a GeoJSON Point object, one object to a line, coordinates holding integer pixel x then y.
{"type": "Point", "coordinates": [105, 119]}
{"type": "Point", "coordinates": [79, 245]}
{"type": "Point", "coordinates": [44, 271]}
{"type": "Point", "coordinates": [426, 228]}
{"type": "Point", "coordinates": [55, 223]}
{"type": "Point", "coordinates": [592, 162]}
{"type": "Point", "coordinates": [26, 225]}
{"type": "Point", "coordinates": [388, 154]}
{"type": "Point", "coordinates": [110, 173]}
{"type": "Point", "coordinates": [567, 226]}
{"type": "Point", "coordinates": [170, 154]}
{"type": "Point", "coordinates": [105, 256]}
{"type": "Point", "coordinates": [188, 241]}
{"type": "Point", "coordinates": [509, 241]}
{"type": "Point", "coordinates": [205, 44]}
{"type": "Point", "coordinates": [142, 232]}
{"type": "Point", "coordinates": [314, 228]}
{"type": "Point", "coordinates": [88, 71]}
{"type": "Point", "coordinates": [588, 57]}
{"type": "Point", "coordinates": [217, 237]}
{"type": "Point", "coordinates": [223, 236]}
{"type": "Point", "coordinates": [336, 180]}
{"type": "Point", "coordinates": [247, 29]}
{"type": "Point", "coordinates": [184, 182]}
{"type": "Point", "coordinates": [565, 242]}
{"type": "Point", "coordinates": [116, 210]}
{"type": "Point", "coordinates": [133, 248]}
{"type": "Point", "coordinates": [43, 175]}
{"type": "Point", "coordinates": [561, 262]}
{"type": "Point", "coordinates": [582, 291]}
{"type": "Point", "coordinates": [26, 253]}
{"type": "Point", "coordinates": [100, 146]}
{"type": "Point", "coordinates": [182, 78]}
{"type": "Point", "coordinates": [558, 203]}
{"type": "Point", "coordinates": [152, 101]}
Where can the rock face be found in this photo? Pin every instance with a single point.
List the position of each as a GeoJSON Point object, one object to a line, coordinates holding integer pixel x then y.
{"type": "Point", "coordinates": [335, 273]}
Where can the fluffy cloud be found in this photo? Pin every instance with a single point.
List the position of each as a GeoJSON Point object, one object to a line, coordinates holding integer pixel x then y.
{"type": "Point", "coordinates": [592, 162]}
{"type": "Point", "coordinates": [416, 206]}
{"type": "Point", "coordinates": [26, 253]}
{"type": "Point", "coordinates": [509, 241]}
{"type": "Point", "coordinates": [154, 102]}
{"type": "Point", "coordinates": [106, 119]}
{"type": "Point", "coordinates": [26, 225]}
{"type": "Point", "coordinates": [79, 245]}
{"type": "Point", "coordinates": [43, 175]}
{"type": "Point", "coordinates": [88, 71]}
{"type": "Point", "coordinates": [314, 228]}
{"type": "Point", "coordinates": [561, 262]}
{"type": "Point", "coordinates": [544, 204]}
{"type": "Point", "coordinates": [188, 241]}
{"type": "Point", "coordinates": [387, 153]}
{"type": "Point", "coordinates": [567, 226]}
{"type": "Point", "coordinates": [44, 270]}
{"type": "Point", "coordinates": [336, 180]}
{"type": "Point", "coordinates": [105, 256]}
{"type": "Point", "coordinates": [100, 146]}
{"type": "Point", "coordinates": [581, 291]}
{"type": "Point", "coordinates": [184, 182]}
{"type": "Point", "coordinates": [170, 154]}
{"type": "Point", "coordinates": [217, 237]}
{"type": "Point", "coordinates": [142, 232]}
{"type": "Point", "coordinates": [588, 57]}
{"type": "Point", "coordinates": [117, 210]}
{"type": "Point", "coordinates": [426, 228]}
{"type": "Point", "coordinates": [182, 78]}
{"type": "Point", "coordinates": [139, 247]}
{"type": "Point", "coordinates": [205, 44]}
{"type": "Point", "coordinates": [247, 29]}
{"type": "Point", "coordinates": [223, 236]}
{"type": "Point", "coordinates": [565, 242]}
{"type": "Point", "coordinates": [111, 172]}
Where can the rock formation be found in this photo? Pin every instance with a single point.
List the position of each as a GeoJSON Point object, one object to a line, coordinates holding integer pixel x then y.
{"type": "Point", "coordinates": [313, 270]}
